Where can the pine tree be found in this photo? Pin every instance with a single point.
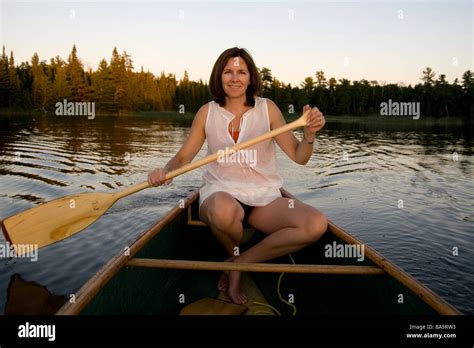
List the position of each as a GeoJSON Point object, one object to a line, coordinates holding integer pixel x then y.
{"type": "Point", "coordinates": [14, 82]}
{"type": "Point", "coordinates": [118, 66]}
{"type": "Point", "coordinates": [4, 80]}
{"type": "Point", "coordinates": [75, 76]}
{"type": "Point", "coordinates": [467, 79]}
{"type": "Point", "coordinates": [61, 88]}
{"type": "Point", "coordinates": [39, 88]}
{"type": "Point", "coordinates": [320, 79]}
{"type": "Point", "coordinates": [103, 86]}
{"type": "Point", "coordinates": [307, 85]}
{"type": "Point", "coordinates": [428, 76]}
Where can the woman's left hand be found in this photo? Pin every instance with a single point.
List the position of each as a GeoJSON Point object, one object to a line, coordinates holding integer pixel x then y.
{"type": "Point", "coordinates": [314, 122]}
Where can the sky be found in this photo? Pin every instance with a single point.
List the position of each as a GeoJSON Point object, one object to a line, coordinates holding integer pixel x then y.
{"type": "Point", "coordinates": [386, 41]}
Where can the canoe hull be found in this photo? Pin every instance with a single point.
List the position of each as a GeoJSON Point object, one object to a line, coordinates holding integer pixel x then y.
{"type": "Point", "coordinates": [121, 289]}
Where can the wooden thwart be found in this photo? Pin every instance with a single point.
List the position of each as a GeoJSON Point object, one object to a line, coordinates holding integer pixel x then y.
{"type": "Point", "coordinates": [253, 267]}
{"type": "Point", "coordinates": [192, 222]}
{"type": "Point", "coordinates": [196, 223]}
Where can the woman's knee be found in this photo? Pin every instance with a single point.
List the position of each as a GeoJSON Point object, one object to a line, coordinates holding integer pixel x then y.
{"type": "Point", "coordinates": [315, 225]}
{"type": "Point", "coordinates": [222, 210]}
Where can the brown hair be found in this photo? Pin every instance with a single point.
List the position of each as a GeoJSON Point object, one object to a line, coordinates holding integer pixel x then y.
{"type": "Point", "coordinates": [215, 82]}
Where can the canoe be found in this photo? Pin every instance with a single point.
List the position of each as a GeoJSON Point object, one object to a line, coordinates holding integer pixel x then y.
{"type": "Point", "coordinates": [173, 268]}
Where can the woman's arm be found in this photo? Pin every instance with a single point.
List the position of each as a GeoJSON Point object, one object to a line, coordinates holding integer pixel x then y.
{"type": "Point", "coordinates": [187, 152]}
{"type": "Point", "coordinates": [298, 151]}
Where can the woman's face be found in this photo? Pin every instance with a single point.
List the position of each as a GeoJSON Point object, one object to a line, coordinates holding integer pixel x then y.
{"type": "Point", "coordinates": [235, 77]}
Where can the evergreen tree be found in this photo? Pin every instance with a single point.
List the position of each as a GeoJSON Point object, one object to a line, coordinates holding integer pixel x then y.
{"type": "Point", "coordinates": [267, 78]}
{"type": "Point", "coordinates": [61, 88]}
{"type": "Point", "coordinates": [428, 76]}
{"type": "Point", "coordinates": [467, 79]}
{"type": "Point", "coordinates": [15, 92]}
{"type": "Point", "coordinates": [39, 88]}
{"type": "Point", "coordinates": [320, 79]}
{"type": "Point", "coordinates": [103, 86]}
{"type": "Point", "coordinates": [75, 76]}
{"type": "Point", "coordinates": [5, 87]}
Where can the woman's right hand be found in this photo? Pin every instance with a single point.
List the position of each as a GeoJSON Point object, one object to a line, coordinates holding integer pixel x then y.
{"type": "Point", "coordinates": [157, 177]}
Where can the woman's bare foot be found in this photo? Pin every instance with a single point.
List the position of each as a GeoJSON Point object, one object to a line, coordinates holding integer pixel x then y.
{"type": "Point", "coordinates": [230, 282]}
{"type": "Point", "coordinates": [223, 282]}
{"type": "Point", "coordinates": [235, 293]}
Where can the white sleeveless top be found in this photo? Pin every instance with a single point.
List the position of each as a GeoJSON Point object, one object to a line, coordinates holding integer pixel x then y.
{"type": "Point", "coordinates": [249, 175]}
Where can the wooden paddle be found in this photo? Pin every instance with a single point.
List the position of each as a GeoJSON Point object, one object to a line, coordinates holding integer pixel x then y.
{"type": "Point", "coordinates": [61, 218]}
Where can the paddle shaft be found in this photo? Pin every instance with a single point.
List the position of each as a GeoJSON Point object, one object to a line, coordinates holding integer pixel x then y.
{"type": "Point", "coordinates": [300, 122]}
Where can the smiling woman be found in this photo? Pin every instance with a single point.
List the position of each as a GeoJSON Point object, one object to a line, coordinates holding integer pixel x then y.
{"type": "Point", "coordinates": [232, 75]}
{"type": "Point", "coordinates": [236, 193]}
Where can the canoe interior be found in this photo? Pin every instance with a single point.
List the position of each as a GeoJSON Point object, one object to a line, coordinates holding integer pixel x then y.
{"type": "Point", "coordinates": [135, 290]}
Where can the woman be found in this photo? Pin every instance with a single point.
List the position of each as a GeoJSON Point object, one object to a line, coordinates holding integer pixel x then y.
{"type": "Point", "coordinates": [247, 186]}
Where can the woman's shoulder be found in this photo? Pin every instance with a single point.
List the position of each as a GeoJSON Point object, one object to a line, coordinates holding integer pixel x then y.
{"type": "Point", "coordinates": [271, 105]}
{"type": "Point", "coordinates": [272, 109]}
{"type": "Point", "coordinates": [268, 101]}
{"type": "Point", "coordinates": [209, 106]}
{"type": "Point", "coordinates": [201, 114]}
{"type": "Point", "coordinates": [262, 103]}
{"type": "Point", "coordinates": [204, 109]}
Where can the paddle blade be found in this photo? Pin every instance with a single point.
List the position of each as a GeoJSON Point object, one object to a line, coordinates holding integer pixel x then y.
{"type": "Point", "coordinates": [56, 220]}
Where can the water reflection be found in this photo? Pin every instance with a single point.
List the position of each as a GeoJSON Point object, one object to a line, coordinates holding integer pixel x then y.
{"type": "Point", "coordinates": [30, 298]}
{"type": "Point", "coordinates": [358, 174]}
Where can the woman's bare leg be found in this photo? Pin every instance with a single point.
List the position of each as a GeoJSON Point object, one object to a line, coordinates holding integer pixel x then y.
{"type": "Point", "coordinates": [290, 225]}
{"type": "Point", "coordinates": [224, 215]}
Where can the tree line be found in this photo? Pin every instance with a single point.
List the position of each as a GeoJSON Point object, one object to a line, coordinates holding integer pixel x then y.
{"type": "Point", "coordinates": [115, 86]}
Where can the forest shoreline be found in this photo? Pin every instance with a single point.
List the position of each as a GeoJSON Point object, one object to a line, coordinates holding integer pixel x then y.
{"type": "Point", "coordinates": [372, 118]}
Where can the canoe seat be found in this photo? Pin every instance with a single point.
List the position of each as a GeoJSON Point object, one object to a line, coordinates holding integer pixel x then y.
{"type": "Point", "coordinates": [256, 304]}
{"type": "Point", "coordinates": [212, 306]}
{"type": "Point", "coordinates": [248, 230]}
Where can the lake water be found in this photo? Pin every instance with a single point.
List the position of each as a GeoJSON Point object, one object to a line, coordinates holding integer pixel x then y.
{"type": "Point", "coordinates": [359, 172]}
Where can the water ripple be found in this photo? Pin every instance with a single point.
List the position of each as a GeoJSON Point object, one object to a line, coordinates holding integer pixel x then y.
{"type": "Point", "coordinates": [357, 178]}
